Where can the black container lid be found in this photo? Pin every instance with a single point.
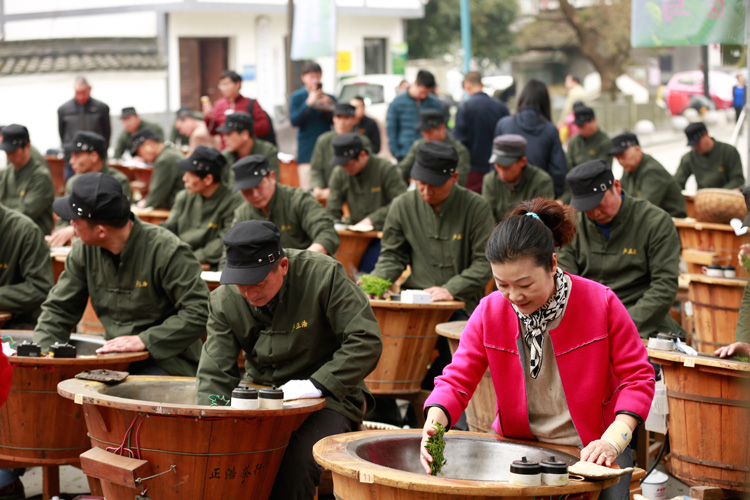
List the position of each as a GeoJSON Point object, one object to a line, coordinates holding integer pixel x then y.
{"type": "Point", "coordinates": [728, 268]}
{"type": "Point", "coordinates": [245, 393]}
{"type": "Point", "coordinates": [525, 467]}
{"type": "Point", "coordinates": [63, 350]}
{"type": "Point", "coordinates": [271, 394]}
{"type": "Point", "coordinates": [28, 349]}
{"type": "Point", "coordinates": [552, 466]}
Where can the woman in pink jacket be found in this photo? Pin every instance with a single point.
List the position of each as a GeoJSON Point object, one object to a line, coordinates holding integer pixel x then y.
{"type": "Point", "coordinates": [567, 363]}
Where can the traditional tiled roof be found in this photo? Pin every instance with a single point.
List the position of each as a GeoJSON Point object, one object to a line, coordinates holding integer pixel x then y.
{"type": "Point", "coordinates": [79, 55]}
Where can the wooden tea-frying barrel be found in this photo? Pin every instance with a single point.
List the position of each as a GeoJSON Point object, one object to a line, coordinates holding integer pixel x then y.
{"type": "Point", "coordinates": [716, 308]}
{"type": "Point", "coordinates": [36, 425]}
{"type": "Point", "coordinates": [482, 409]}
{"type": "Point", "coordinates": [5, 317]}
{"type": "Point", "coordinates": [288, 174]}
{"type": "Point", "coordinates": [211, 452]}
{"type": "Point", "coordinates": [719, 239]}
{"type": "Point", "coordinates": [57, 171]}
{"type": "Point", "coordinates": [352, 248]}
{"type": "Point", "coordinates": [384, 465]}
{"type": "Point", "coordinates": [689, 204]}
{"type": "Point", "coordinates": [709, 411]}
{"type": "Point", "coordinates": [151, 215]}
{"type": "Point", "coordinates": [408, 332]}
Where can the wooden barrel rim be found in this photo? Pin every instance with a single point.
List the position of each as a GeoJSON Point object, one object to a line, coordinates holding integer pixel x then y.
{"type": "Point", "coordinates": [700, 226]}
{"type": "Point", "coordinates": [451, 329]}
{"type": "Point", "coordinates": [730, 365]}
{"type": "Point", "coordinates": [708, 399]}
{"type": "Point", "coordinates": [360, 234]}
{"type": "Point", "coordinates": [396, 304]}
{"type": "Point", "coordinates": [98, 360]}
{"type": "Point", "coordinates": [715, 280]}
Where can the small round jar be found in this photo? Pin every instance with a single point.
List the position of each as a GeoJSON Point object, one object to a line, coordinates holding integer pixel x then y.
{"type": "Point", "coordinates": [554, 473]}
{"type": "Point", "coordinates": [525, 473]}
{"type": "Point", "coordinates": [729, 272]}
{"type": "Point", "coordinates": [271, 399]}
{"type": "Point", "coordinates": [245, 398]}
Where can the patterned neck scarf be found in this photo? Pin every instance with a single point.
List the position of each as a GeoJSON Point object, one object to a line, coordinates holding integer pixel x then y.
{"type": "Point", "coordinates": [536, 322]}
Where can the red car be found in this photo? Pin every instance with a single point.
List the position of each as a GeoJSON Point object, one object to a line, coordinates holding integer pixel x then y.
{"type": "Point", "coordinates": [683, 86]}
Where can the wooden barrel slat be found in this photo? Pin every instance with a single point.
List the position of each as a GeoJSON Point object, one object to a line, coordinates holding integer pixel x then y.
{"type": "Point", "coordinates": [716, 309]}
{"type": "Point", "coordinates": [719, 238]}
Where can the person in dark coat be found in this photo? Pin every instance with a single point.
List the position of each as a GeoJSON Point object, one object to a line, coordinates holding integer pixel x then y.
{"type": "Point", "coordinates": [366, 125]}
{"type": "Point", "coordinates": [533, 121]}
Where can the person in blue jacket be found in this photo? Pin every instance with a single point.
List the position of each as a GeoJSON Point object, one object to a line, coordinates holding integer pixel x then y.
{"type": "Point", "coordinates": [533, 120]}
{"type": "Point", "coordinates": [739, 96]}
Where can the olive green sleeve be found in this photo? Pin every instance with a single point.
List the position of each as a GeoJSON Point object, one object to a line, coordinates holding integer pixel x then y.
{"type": "Point", "coordinates": [653, 188]}
{"type": "Point", "coordinates": [464, 164]}
{"type": "Point", "coordinates": [490, 195]}
{"type": "Point", "coordinates": [393, 187]}
{"type": "Point", "coordinates": [335, 202]}
{"type": "Point", "coordinates": [39, 195]}
{"type": "Point", "coordinates": [185, 289]}
{"type": "Point", "coordinates": [65, 303]}
{"type": "Point", "coordinates": [733, 164]}
{"type": "Point", "coordinates": [212, 252]}
{"type": "Point", "coordinates": [317, 223]}
{"type": "Point", "coordinates": [743, 323]}
{"type": "Point", "coordinates": [395, 251]}
{"type": "Point", "coordinates": [405, 165]}
{"type": "Point", "coordinates": [160, 187]}
{"type": "Point", "coordinates": [567, 256]}
{"type": "Point", "coordinates": [684, 171]}
{"type": "Point", "coordinates": [218, 372]}
{"type": "Point", "coordinates": [35, 269]}
{"type": "Point", "coordinates": [317, 167]}
{"type": "Point", "coordinates": [122, 143]}
{"type": "Point", "coordinates": [175, 213]}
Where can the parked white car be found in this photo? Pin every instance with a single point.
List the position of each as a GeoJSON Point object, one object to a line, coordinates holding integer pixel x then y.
{"type": "Point", "coordinates": [377, 90]}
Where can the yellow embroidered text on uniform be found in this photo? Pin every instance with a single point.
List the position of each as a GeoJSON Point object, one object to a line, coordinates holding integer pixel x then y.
{"type": "Point", "coordinates": [298, 325]}
{"type": "Point", "coordinates": [376, 189]}
{"type": "Point", "coordinates": [458, 237]}
{"type": "Point", "coordinates": [288, 227]}
{"type": "Point", "coordinates": [4, 265]}
{"type": "Point", "coordinates": [213, 225]}
{"type": "Point", "coordinates": [721, 169]}
{"type": "Point", "coordinates": [141, 284]}
{"type": "Point", "coordinates": [629, 251]}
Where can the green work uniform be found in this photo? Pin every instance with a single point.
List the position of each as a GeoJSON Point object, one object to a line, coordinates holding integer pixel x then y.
{"type": "Point", "coordinates": [300, 218]}
{"type": "Point", "coordinates": [743, 322]}
{"type": "Point", "coordinates": [152, 289]}
{"type": "Point", "coordinates": [260, 147]}
{"type": "Point", "coordinates": [121, 178]}
{"type": "Point", "coordinates": [503, 197]}
{"type": "Point", "coordinates": [30, 191]}
{"type": "Point", "coordinates": [201, 222]}
{"type": "Point", "coordinates": [125, 139]}
{"type": "Point", "coordinates": [368, 194]}
{"type": "Point", "coordinates": [320, 163]}
{"type": "Point", "coordinates": [25, 268]}
{"type": "Point", "coordinates": [651, 181]}
{"type": "Point", "coordinates": [443, 248]}
{"type": "Point", "coordinates": [719, 168]}
{"type": "Point", "coordinates": [583, 149]}
{"type": "Point", "coordinates": [166, 180]}
{"type": "Point", "coordinates": [38, 156]}
{"type": "Point", "coordinates": [639, 262]}
{"type": "Point", "coordinates": [320, 326]}
{"type": "Point", "coordinates": [464, 161]}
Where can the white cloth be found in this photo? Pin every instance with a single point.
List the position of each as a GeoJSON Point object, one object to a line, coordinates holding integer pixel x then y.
{"type": "Point", "coordinates": [300, 389]}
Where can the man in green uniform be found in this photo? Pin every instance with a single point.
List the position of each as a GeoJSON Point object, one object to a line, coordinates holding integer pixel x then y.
{"type": "Point", "coordinates": [203, 211]}
{"type": "Point", "coordinates": [304, 326]}
{"type": "Point", "coordinates": [131, 124]}
{"type": "Point", "coordinates": [88, 152]}
{"type": "Point", "coordinates": [25, 269]}
{"type": "Point", "coordinates": [367, 184]}
{"type": "Point", "coordinates": [433, 128]}
{"type": "Point", "coordinates": [514, 179]}
{"type": "Point", "coordinates": [591, 143]}
{"type": "Point", "coordinates": [166, 180]}
{"type": "Point", "coordinates": [624, 243]}
{"type": "Point", "coordinates": [144, 283]}
{"type": "Point", "coordinates": [35, 153]}
{"type": "Point", "coordinates": [344, 120]}
{"type": "Point", "coordinates": [26, 184]}
{"type": "Point", "coordinates": [646, 178]}
{"type": "Point", "coordinates": [304, 224]}
{"type": "Point", "coordinates": [715, 164]}
{"type": "Point", "coordinates": [241, 142]}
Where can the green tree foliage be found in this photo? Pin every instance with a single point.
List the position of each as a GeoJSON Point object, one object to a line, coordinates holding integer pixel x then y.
{"type": "Point", "coordinates": [439, 32]}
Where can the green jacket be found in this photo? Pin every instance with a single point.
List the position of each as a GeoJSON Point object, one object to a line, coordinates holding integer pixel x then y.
{"type": "Point", "coordinates": [321, 328]}
{"type": "Point", "coordinates": [300, 218]}
{"type": "Point", "coordinates": [202, 222]}
{"type": "Point", "coordinates": [720, 168]}
{"type": "Point", "coordinates": [443, 248]}
{"type": "Point", "coordinates": [25, 268]}
{"type": "Point", "coordinates": [582, 149]}
{"type": "Point", "coordinates": [125, 139]}
{"type": "Point", "coordinates": [639, 262]}
{"type": "Point", "coordinates": [503, 198]}
{"type": "Point", "coordinates": [651, 181]}
{"type": "Point", "coordinates": [121, 178]}
{"type": "Point", "coordinates": [36, 154]}
{"type": "Point", "coordinates": [320, 163]}
{"type": "Point", "coordinates": [30, 191]}
{"type": "Point", "coordinates": [743, 322]}
{"type": "Point", "coordinates": [368, 194]}
{"type": "Point", "coordinates": [155, 292]}
{"type": "Point", "coordinates": [464, 161]}
{"type": "Point", "coordinates": [260, 147]}
{"type": "Point", "coordinates": [166, 181]}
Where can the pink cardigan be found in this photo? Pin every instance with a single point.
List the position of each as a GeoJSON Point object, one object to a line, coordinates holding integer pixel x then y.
{"type": "Point", "coordinates": [602, 363]}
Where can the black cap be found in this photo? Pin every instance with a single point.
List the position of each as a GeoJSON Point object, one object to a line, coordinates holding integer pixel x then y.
{"type": "Point", "coordinates": [86, 141]}
{"type": "Point", "coordinates": [129, 111]}
{"type": "Point", "coordinates": [588, 183]}
{"type": "Point", "coordinates": [252, 247]}
{"type": "Point", "coordinates": [508, 149]}
{"type": "Point", "coordinates": [204, 160]}
{"type": "Point", "coordinates": [183, 113]}
{"type": "Point", "coordinates": [583, 114]}
{"type": "Point", "coordinates": [345, 148]}
{"type": "Point", "coordinates": [694, 132]}
{"type": "Point", "coordinates": [237, 122]}
{"type": "Point", "coordinates": [622, 142]}
{"type": "Point", "coordinates": [430, 119]}
{"type": "Point", "coordinates": [249, 171]}
{"type": "Point", "coordinates": [343, 109]}
{"type": "Point", "coordinates": [94, 196]}
{"type": "Point", "coordinates": [435, 163]}
{"type": "Point", "coordinates": [140, 137]}
{"type": "Point", "coordinates": [14, 137]}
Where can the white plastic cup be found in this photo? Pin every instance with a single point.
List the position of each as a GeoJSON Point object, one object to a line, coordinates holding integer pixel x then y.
{"type": "Point", "coordinates": [655, 486]}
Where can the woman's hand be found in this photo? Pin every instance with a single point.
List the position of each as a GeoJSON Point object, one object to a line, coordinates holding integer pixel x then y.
{"type": "Point", "coordinates": [736, 349]}
{"type": "Point", "coordinates": [599, 452]}
{"type": "Point", "coordinates": [434, 415]}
